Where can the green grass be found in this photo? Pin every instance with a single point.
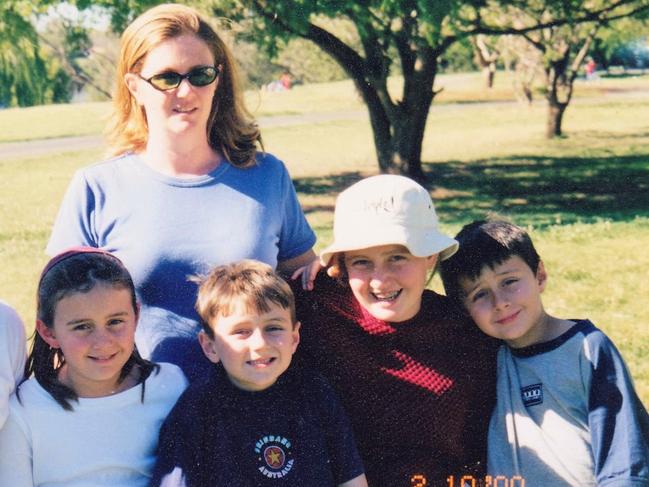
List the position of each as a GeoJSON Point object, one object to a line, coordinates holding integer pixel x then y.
{"type": "Point", "coordinates": [89, 118]}
{"type": "Point", "coordinates": [50, 121]}
{"type": "Point", "coordinates": [585, 197]}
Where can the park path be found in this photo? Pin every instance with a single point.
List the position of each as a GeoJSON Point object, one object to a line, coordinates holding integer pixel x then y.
{"type": "Point", "coordinates": [14, 150]}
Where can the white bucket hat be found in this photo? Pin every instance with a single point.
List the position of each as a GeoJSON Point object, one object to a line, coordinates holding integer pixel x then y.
{"type": "Point", "coordinates": [385, 210]}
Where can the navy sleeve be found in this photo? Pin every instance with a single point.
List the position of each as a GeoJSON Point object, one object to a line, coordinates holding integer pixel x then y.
{"type": "Point", "coordinates": [618, 422]}
{"type": "Point", "coordinates": [175, 452]}
{"type": "Point", "coordinates": [346, 463]}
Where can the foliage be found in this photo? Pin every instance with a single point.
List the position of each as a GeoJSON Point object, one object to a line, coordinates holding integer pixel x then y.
{"type": "Point", "coordinates": [561, 33]}
{"type": "Point", "coordinates": [623, 43]}
{"type": "Point", "coordinates": [23, 72]}
{"type": "Point", "coordinates": [459, 57]}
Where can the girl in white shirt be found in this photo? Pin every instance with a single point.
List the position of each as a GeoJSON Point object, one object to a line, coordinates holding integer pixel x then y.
{"type": "Point", "coordinates": [84, 418]}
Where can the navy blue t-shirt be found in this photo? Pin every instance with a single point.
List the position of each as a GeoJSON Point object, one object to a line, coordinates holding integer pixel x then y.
{"type": "Point", "coordinates": [294, 433]}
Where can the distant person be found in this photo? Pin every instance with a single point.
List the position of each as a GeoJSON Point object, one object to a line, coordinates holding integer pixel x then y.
{"type": "Point", "coordinates": [416, 378]}
{"type": "Point", "coordinates": [12, 355]}
{"type": "Point", "coordinates": [258, 420]}
{"type": "Point", "coordinates": [286, 80]}
{"type": "Point", "coordinates": [590, 69]}
{"type": "Point", "coordinates": [566, 412]}
{"type": "Point", "coordinates": [91, 413]}
{"type": "Point", "coordinates": [188, 188]}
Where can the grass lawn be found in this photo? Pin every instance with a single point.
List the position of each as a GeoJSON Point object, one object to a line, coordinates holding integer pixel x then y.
{"type": "Point", "coordinates": [584, 197]}
{"type": "Point", "coordinates": [19, 124]}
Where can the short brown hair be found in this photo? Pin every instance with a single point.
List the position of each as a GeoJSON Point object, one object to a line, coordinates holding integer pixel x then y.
{"type": "Point", "coordinates": [250, 283]}
{"type": "Point", "coordinates": [231, 129]}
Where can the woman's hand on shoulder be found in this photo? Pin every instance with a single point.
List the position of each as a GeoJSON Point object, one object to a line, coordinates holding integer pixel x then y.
{"type": "Point", "coordinates": [308, 273]}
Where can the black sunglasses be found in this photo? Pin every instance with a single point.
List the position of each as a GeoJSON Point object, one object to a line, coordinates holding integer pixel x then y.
{"type": "Point", "coordinates": [202, 76]}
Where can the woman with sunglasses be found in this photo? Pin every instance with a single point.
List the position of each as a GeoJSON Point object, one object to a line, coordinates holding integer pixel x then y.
{"type": "Point", "coordinates": [187, 187]}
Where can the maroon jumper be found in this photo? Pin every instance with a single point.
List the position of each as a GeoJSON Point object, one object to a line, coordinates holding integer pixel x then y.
{"type": "Point", "coordinates": [419, 393]}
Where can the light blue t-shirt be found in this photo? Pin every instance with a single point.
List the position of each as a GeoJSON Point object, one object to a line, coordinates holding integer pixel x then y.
{"type": "Point", "coordinates": [567, 415]}
{"type": "Point", "coordinates": [167, 229]}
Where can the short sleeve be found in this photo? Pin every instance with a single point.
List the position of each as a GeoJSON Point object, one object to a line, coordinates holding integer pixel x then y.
{"type": "Point", "coordinates": [12, 356]}
{"type": "Point", "coordinates": [16, 453]}
{"type": "Point", "coordinates": [346, 463]}
{"type": "Point", "coordinates": [296, 236]}
{"type": "Point", "coordinates": [74, 222]}
{"type": "Point", "coordinates": [618, 422]}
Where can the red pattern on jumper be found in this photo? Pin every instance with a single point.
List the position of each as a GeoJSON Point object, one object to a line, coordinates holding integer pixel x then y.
{"type": "Point", "coordinates": [419, 375]}
{"type": "Point", "coordinates": [419, 393]}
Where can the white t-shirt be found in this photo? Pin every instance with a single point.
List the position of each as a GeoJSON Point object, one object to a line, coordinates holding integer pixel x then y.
{"type": "Point", "coordinates": [104, 442]}
{"type": "Point", "coordinates": [12, 356]}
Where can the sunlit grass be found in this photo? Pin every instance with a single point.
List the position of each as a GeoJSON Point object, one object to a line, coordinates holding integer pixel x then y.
{"type": "Point", "coordinates": [89, 118]}
{"type": "Point", "coordinates": [585, 197]}
{"type": "Point", "coordinates": [44, 122]}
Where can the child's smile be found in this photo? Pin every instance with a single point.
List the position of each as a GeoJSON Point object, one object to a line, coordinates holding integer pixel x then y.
{"type": "Point", "coordinates": [388, 281]}
{"type": "Point", "coordinates": [505, 302]}
{"type": "Point", "coordinates": [255, 349]}
{"type": "Point", "coordinates": [95, 330]}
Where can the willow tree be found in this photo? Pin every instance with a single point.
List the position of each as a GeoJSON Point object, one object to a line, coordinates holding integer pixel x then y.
{"type": "Point", "coordinates": [23, 73]}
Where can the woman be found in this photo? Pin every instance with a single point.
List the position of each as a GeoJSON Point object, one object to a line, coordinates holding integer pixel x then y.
{"type": "Point", "coordinates": [187, 188]}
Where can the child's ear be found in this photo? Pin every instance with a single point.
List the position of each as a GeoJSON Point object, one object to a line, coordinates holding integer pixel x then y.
{"type": "Point", "coordinates": [209, 347]}
{"type": "Point", "coordinates": [431, 261]}
{"type": "Point", "coordinates": [541, 276]}
{"type": "Point", "coordinates": [47, 334]}
{"type": "Point", "coordinates": [295, 335]}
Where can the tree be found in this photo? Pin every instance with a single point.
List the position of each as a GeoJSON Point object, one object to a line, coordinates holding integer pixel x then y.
{"type": "Point", "coordinates": [486, 54]}
{"type": "Point", "coordinates": [23, 72]}
{"type": "Point", "coordinates": [69, 41]}
{"type": "Point", "coordinates": [406, 36]}
{"type": "Point", "coordinates": [615, 44]}
{"type": "Point", "coordinates": [562, 46]}
{"type": "Point", "coordinates": [413, 33]}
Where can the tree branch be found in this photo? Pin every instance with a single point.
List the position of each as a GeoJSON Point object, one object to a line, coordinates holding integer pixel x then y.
{"type": "Point", "coordinates": [593, 16]}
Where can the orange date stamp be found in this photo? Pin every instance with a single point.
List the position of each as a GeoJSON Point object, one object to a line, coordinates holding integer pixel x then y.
{"type": "Point", "coordinates": [419, 480]}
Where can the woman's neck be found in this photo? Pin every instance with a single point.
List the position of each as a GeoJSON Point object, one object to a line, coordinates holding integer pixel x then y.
{"type": "Point", "coordinates": [180, 159]}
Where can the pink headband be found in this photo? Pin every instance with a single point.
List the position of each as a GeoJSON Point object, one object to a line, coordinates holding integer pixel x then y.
{"type": "Point", "coordinates": [71, 252]}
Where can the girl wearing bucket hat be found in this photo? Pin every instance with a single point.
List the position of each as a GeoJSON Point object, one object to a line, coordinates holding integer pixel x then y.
{"type": "Point", "coordinates": [415, 377]}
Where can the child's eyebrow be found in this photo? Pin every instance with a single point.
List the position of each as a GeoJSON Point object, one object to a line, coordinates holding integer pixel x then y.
{"type": "Point", "coordinates": [77, 322]}
{"type": "Point", "coordinates": [475, 284]}
{"type": "Point", "coordinates": [85, 320]}
{"type": "Point", "coordinates": [278, 319]}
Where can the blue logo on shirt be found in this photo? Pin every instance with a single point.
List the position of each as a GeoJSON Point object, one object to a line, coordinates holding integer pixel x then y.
{"type": "Point", "coordinates": [532, 394]}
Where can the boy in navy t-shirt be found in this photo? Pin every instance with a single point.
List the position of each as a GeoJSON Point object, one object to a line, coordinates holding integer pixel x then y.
{"type": "Point", "coordinates": [566, 411]}
{"type": "Point", "coordinates": [256, 420]}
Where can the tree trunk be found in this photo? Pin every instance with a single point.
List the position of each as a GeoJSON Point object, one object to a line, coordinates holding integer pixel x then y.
{"type": "Point", "coordinates": [489, 73]}
{"type": "Point", "coordinates": [486, 56]}
{"type": "Point", "coordinates": [397, 125]}
{"type": "Point", "coordinates": [399, 130]}
{"type": "Point", "coordinates": [399, 141]}
{"type": "Point", "coordinates": [555, 118]}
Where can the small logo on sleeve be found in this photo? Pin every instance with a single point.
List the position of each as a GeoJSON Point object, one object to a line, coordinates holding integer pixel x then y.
{"type": "Point", "coordinates": [274, 456]}
{"type": "Point", "coordinates": [532, 395]}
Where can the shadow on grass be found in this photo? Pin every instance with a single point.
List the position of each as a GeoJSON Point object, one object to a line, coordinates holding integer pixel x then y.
{"type": "Point", "coordinates": [529, 189]}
